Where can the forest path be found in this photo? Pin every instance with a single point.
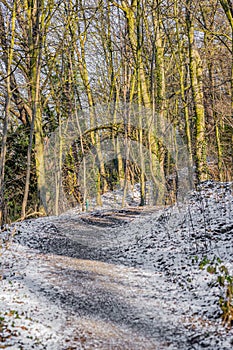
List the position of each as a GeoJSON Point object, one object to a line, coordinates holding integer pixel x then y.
{"type": "Point", "coordinates": [73, 274]}
{"type": "Point", "coordinates": [107, 305]}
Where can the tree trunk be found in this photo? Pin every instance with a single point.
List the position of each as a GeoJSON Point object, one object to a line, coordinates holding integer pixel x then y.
{"type": "Point", "coordinates": [195, 70]}
{"type": "Point", "coordinates": [9, 54]}
{"type": "Point", "coordinates": [36, 37]}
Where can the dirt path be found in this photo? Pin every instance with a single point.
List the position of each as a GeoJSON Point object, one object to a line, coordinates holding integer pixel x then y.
{"type": "Point", "coordinates": [88, 296]}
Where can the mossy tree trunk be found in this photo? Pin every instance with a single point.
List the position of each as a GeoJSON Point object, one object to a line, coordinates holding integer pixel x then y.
{"type": "Point", "coordinates": [180, 64]}
{"type": "Point", "coordinates": [38, 15]}
{"type": "Point", "coordinates": [195, 71]}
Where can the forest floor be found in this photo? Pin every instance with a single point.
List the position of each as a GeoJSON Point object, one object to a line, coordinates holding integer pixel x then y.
{"type": "Point", "coordinates": [129, 279]}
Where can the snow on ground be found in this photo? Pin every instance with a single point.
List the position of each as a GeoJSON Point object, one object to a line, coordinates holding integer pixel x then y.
{"type": "Point", "coordinates": [120, 279]}
{"type": "Point", "coordinates": [112, 200]}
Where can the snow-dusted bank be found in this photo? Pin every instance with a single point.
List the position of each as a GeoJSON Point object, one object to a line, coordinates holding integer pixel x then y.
{"type": "Point", "coordinates": [130, 279]}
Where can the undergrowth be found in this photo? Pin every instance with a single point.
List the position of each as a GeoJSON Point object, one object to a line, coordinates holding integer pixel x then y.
{"type": "Point", "coordinates": [224, 281]}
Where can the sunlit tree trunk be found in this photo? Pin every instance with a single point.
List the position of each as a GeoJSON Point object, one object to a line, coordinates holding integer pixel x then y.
{"type": "Point", "coordinates": [134, 18]}
{"type": "Point", "coordinates": [79, 35]}
{"type": "Point", "coordinates": [195, 69]}
{"type": "Point", "coordinates": [156, 124]}
{"type": "Point", "coordinates": [140, 97]}
{"type": "Point", "coordinates": [181, 68]}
